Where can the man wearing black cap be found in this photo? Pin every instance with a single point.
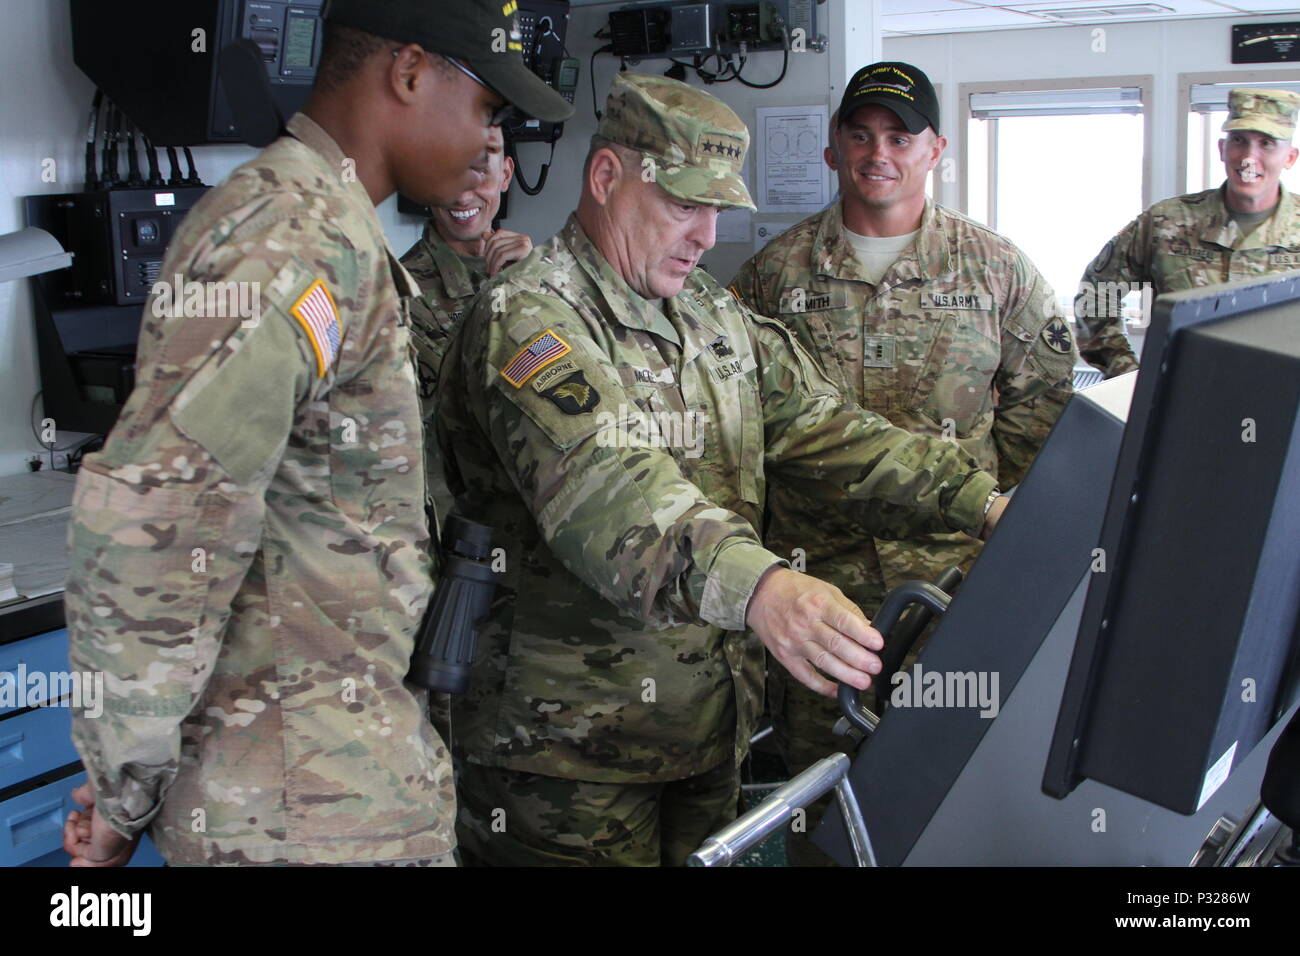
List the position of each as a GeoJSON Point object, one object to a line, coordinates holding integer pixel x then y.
{"type": "Point", "coordinates": [915, 312]}
{"type": "Point", "coordinates": [250, 550]}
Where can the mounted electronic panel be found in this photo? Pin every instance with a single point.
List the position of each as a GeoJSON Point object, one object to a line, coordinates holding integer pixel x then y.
{"type": "Point", "coordinates": [88, 315]}
{"type": "Point", "coordinates": [544, 25]}
{"type": "Point", "coordinates": [160, 61]}
{"type": "Point", "coordinates": [685, 29]}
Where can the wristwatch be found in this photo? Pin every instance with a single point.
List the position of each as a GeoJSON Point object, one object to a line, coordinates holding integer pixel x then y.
{"type": "Point", "coordinates": [994, 495]}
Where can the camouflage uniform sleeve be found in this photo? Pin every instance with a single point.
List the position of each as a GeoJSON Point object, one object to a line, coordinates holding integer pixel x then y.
{"type": "Point", "coordinates": [901, 485]}
{"type": "Point", "coordinates": [167, 518]}
{"type": "Point", "coordinates": [1117, 268]}
{"type": "Point", "coordinates": [622, 519]}
{"type": "Point", "coordinates": [747, 286]}
{"type": "Point", "coordinates": [431, 333]}
{"type": "Point", "coordinates": [1035, 377]}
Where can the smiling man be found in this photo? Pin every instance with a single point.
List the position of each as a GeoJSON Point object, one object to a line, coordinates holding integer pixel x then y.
{"type": "Point", "coordinates": [915, 312]}
{"type": "Point", "coordinates": [457, 253]}
{"type": "Point", "coordinates": [1247, 227]}
{"type": "Point", "coordinates": [615, 687]}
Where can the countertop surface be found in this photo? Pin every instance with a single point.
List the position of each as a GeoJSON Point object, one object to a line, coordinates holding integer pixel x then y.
{"type": "Point", "coordinates": [34, 511]}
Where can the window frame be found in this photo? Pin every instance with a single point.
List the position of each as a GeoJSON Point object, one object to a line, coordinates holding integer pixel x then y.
{"type": "Point", "coordinates": [1145, 82]}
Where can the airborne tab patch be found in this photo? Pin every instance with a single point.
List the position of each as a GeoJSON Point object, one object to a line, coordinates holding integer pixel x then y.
{"type": "Point", "coordinates": [319, 318]}
{"type": "Point", "coordinates": [552, 374]}
{"type": "Point", "coordinates": [534, 357]}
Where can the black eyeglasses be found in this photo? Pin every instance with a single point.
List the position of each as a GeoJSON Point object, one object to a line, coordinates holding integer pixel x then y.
{"type": "Point", "coordinates": [504, 113]}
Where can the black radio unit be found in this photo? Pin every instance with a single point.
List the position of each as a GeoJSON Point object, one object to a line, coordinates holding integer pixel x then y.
{"type": "Point", "coordinates": [159, 61]}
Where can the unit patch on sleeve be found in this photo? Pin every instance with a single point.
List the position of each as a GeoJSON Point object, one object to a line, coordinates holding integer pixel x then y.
{"type": "Point", "coordinates": [534, 357]}
{"type": "Point", "coordinates": [1057, 335]}
{"type": "Point", "coordinates": [574, 395]}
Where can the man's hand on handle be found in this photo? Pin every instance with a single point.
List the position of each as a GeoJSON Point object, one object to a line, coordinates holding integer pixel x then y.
{"type": "Point", "coordinates": [88, 838]}
{"type": "Point", "coordinates": [810, 625]}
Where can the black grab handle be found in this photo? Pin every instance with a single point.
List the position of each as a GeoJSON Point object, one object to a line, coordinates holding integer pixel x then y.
{"type": "Point", "coordinates": [927, 595]}
{"type": "Point", "coordinates": [899, 642]}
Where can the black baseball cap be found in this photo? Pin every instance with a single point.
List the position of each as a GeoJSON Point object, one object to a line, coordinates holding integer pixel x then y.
{"type": "Point", "coordinates": [900, 87]}
{"type": "Point", "coordinates": [483, 34]}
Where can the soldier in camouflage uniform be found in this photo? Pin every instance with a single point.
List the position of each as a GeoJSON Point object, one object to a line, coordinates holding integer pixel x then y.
{"type": "Point", "coordinates": [1248, 227]}
{"type": "Point", "coordinates": [614, 414]}
{"type": "Point", "coordinates": [917, 313]}
{"type": "Point", "coordinates": [249, 552]}
{"type": "Point", "coordinates": [458, 251]}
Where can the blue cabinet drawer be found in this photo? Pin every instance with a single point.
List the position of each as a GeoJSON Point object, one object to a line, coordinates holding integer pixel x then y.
{"type": "Point", "coordinates": [34, 743]}
{"type": "Point", "coordinates": [31, 824]}
{"type": "Point", "coordinates": [44, 654]}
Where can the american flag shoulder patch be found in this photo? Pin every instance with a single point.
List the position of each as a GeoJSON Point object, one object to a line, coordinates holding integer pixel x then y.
{"type": "Point", "coordinates": [534, 357]}
{"type": "Point", "coordinates": [316, 312]}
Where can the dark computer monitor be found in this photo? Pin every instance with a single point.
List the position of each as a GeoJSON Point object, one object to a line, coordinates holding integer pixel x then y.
{"type": "Point", "coordinates": [1188, 644]}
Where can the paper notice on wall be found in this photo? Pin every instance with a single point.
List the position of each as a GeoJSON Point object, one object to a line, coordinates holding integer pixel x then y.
{"type": "Point", "coordinates": [792, 175]}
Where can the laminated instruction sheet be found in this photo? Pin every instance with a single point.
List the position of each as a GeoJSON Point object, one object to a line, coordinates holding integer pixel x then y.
{"type": "Point", "coordinates": [792, 175]}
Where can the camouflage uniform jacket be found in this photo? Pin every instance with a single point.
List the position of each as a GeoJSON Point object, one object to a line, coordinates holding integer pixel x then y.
{"type": "Point", "coordinates": [1177, 244]}
{"type": "Point", "coordinates": [448, 283]}
{"type": "Point", "coordinates": [249, 552]}
{"type": "Point", "coordinates": [615, 650]}
{"type": "Point", "coordinates": [962, 338]}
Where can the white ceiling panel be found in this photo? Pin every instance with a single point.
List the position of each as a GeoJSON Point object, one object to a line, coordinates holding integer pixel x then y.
{"type": "Point", "coordinates": [1266, 6]}
{"type": "Point", "coordinates": [908, 17]}
{"type": "Point", "coordinates": [889, 7]}
{"type": "Point", "coordinates": [974, 18]}
{"type": "Point", "coordinates": [1132, 9]}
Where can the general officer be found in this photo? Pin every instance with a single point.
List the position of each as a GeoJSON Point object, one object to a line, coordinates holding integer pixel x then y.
{"type": "Point", "coordinates": [249, 552]}
{"type": "Point", "coordinates": [457, 252]}
{"type": "Point", "coordinates": [614, 414]}
{"type": "Point", "coordinates": [918, 313]}
{"type": "Point", "coordinates": [1247, 227]}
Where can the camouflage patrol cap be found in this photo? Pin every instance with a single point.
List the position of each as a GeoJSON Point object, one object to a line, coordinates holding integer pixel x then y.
{"type": "Point", "coordinates": [1271, 112]}
{"type": "Point", "coordinates": [696, 142]}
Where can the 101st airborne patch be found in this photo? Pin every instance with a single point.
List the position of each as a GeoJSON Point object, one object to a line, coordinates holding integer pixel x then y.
{"type": "Point", "coordinates": [574, 395]}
